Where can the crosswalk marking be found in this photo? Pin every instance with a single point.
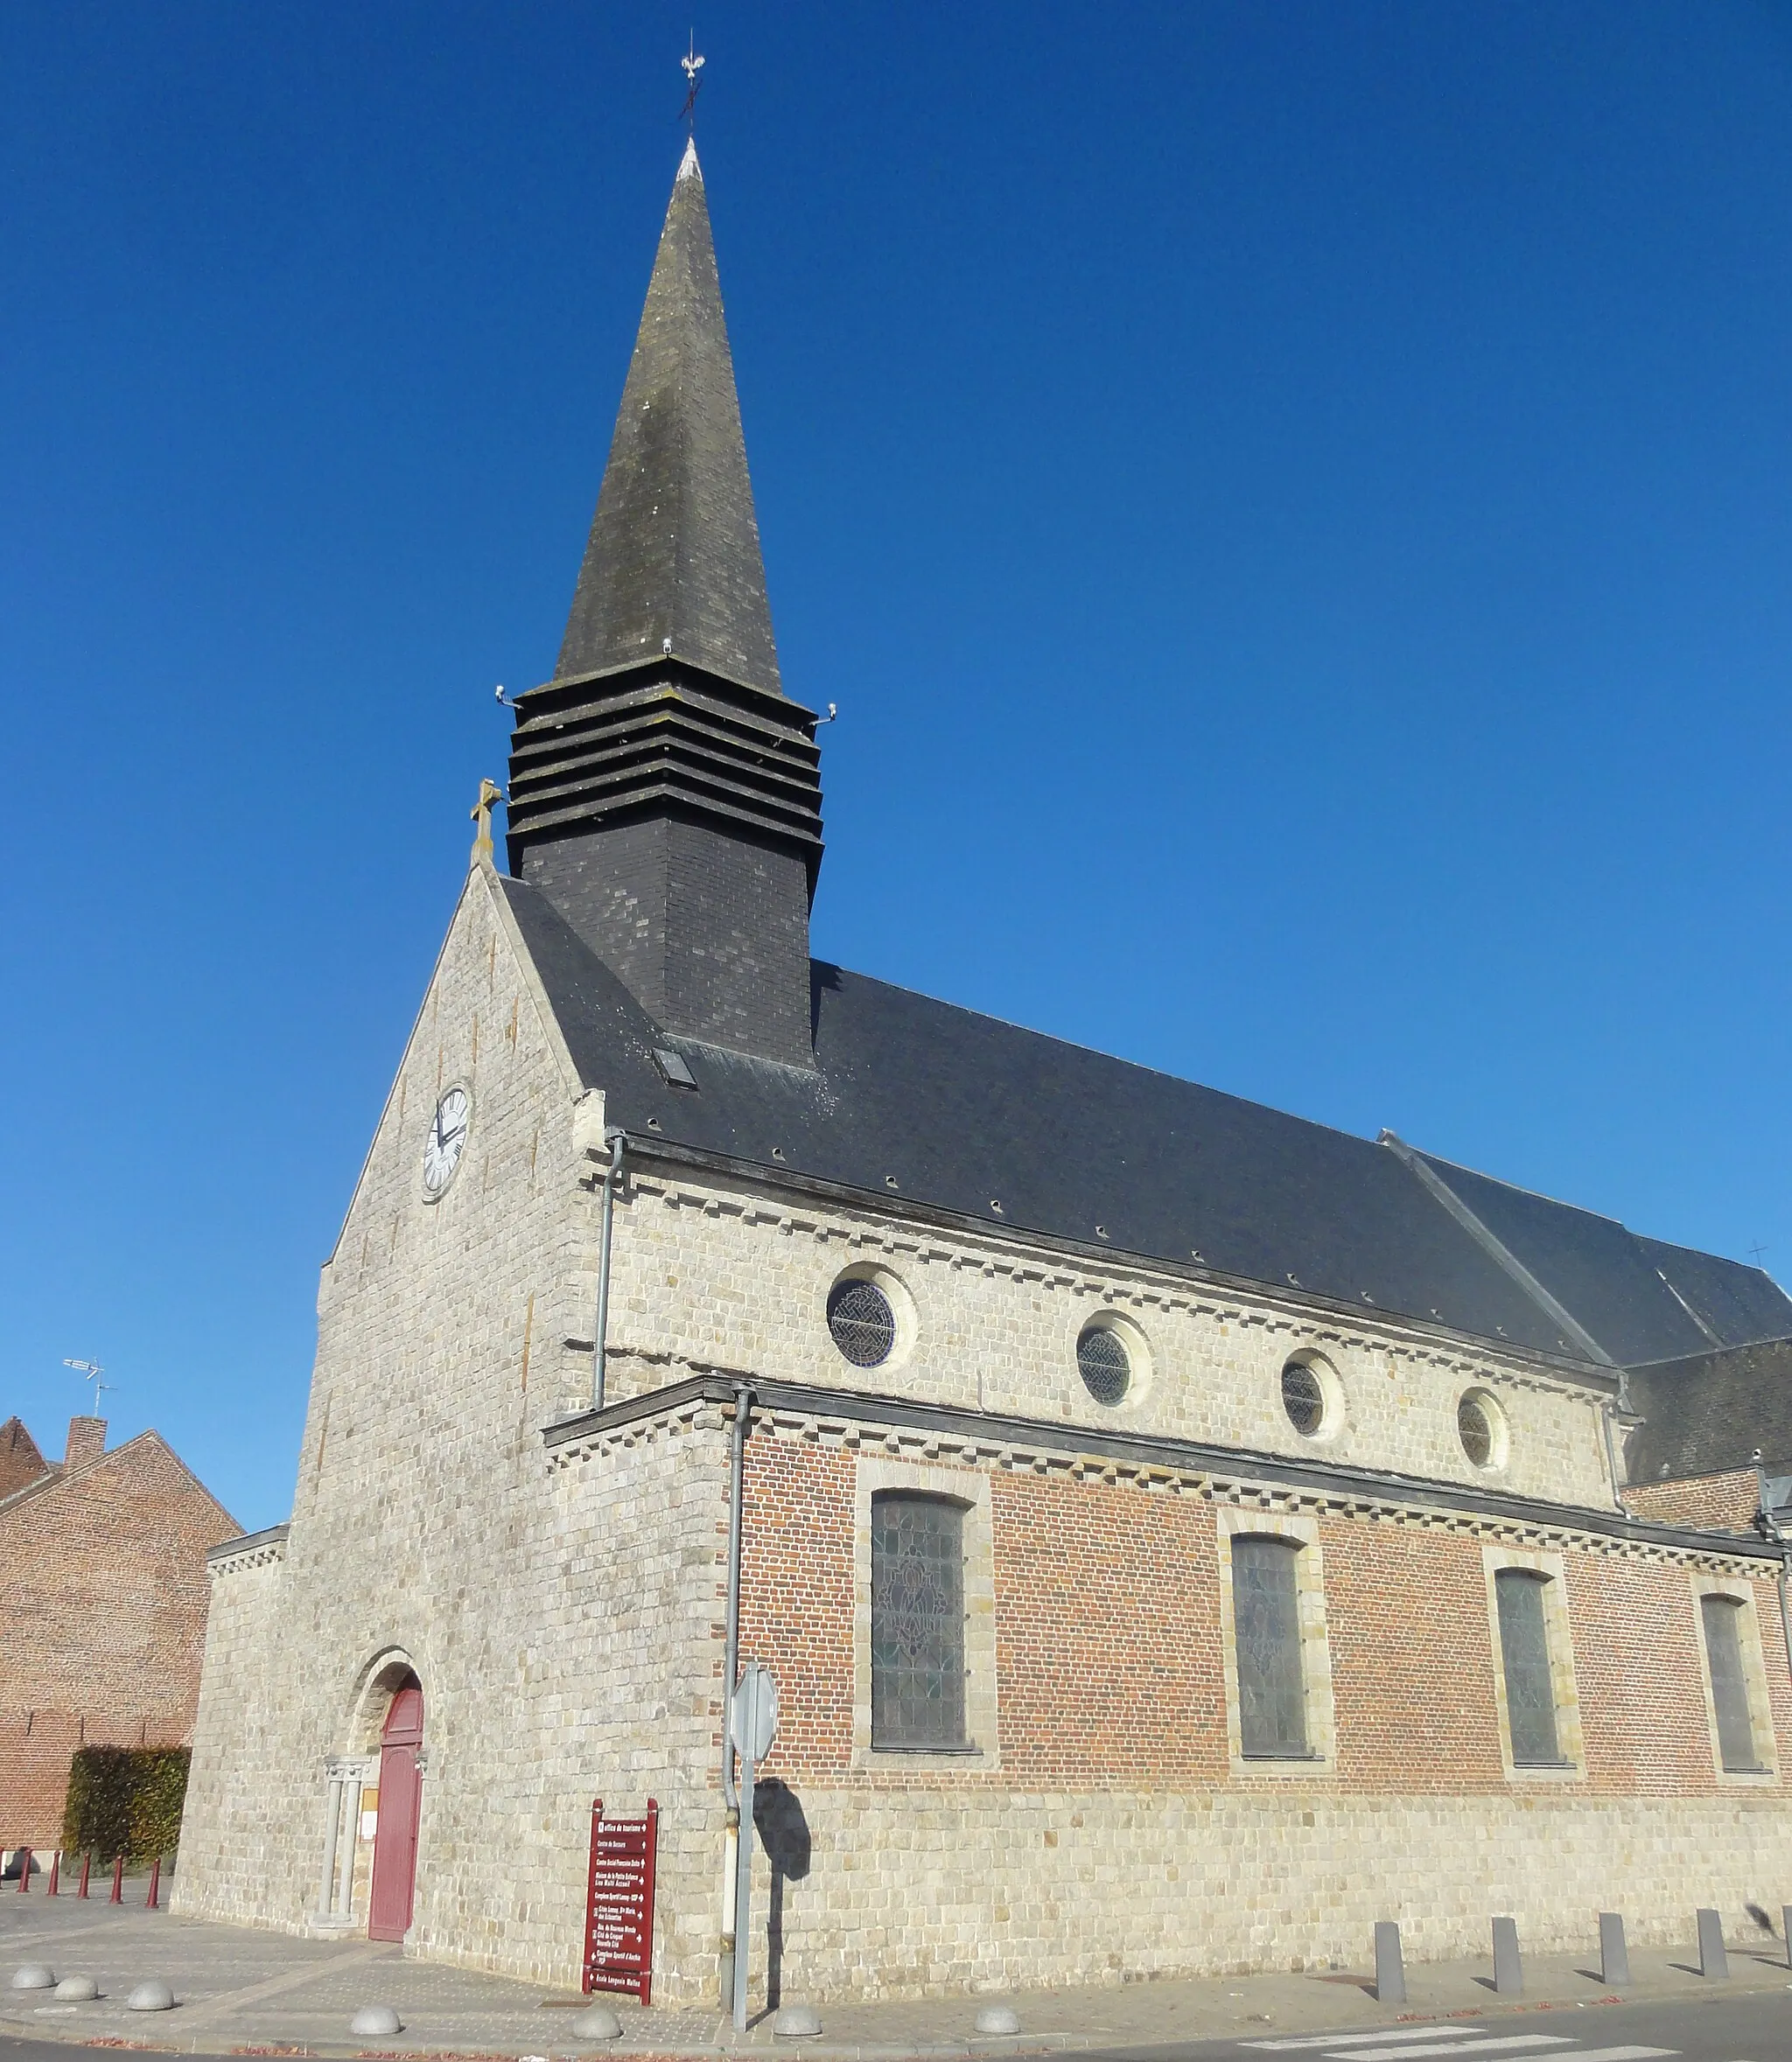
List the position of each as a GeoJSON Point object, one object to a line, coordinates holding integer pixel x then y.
{"type": "Point", "coordinates": [1454, 2043]}
{"type": "Point", "coordinates": [1444, 2039]}
{"type": "Point", "coordinates": [1355, 2040]}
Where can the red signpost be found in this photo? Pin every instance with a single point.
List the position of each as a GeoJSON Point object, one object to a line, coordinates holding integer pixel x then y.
{"type": "Point", "coordinates": [619, 1923]}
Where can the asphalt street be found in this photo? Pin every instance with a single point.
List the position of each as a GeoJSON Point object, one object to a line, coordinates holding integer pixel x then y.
{"type": "Point", "coordinates": [1755, 2027]}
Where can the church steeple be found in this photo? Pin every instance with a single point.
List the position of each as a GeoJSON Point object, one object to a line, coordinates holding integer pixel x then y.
{"type": "Point", "coordinates": [674, 547]}
{"type": "Point", "coordinates": [665, 793]}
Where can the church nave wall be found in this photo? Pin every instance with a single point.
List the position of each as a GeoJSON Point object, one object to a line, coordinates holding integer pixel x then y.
{"type": "Point", "coordinates": [715, 1275]}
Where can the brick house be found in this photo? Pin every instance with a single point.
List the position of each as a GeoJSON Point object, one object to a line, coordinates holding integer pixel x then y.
{"type": "Point", "coordinates": [102, 1610]}
{"type": "Point", "coordinates": [1182, 1535]}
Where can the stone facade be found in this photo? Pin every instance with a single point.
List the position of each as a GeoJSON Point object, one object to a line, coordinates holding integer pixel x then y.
{"type": "Point", "coordinates": [561, 1598]}
{"type": "Point", "coordinates": [102, 1611]}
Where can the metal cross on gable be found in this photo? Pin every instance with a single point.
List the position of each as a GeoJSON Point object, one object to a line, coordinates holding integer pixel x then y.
{"type": "Point", "coordinates": [691, 64]}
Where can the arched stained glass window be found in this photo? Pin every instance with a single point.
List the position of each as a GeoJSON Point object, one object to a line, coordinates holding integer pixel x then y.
{"type": "Point", "coordinates": [917, 1621]}
{"type": "Point", "coordinates": [1524, 1655]}
{"type": "Point", "coordinates": [1723, 1646]}
{"type": "Point", "coordinates": [1266, 1639]}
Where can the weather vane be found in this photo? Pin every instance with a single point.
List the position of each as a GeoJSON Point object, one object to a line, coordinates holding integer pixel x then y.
{"type": "Point", "coordinates": [691, 64]}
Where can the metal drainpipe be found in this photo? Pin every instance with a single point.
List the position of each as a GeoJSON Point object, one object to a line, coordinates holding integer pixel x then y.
{"type": "Point", "coordinates": [616, 1140]}
{"type": "Point", "coordinates": [731, 1667]}
{"type": "Point", "coordinates": [1770, 1525]}
{"type": "Point", "coordinates": [1612, 1456]}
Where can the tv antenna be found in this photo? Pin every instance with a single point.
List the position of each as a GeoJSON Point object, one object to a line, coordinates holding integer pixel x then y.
{"type": "Point", "coordinates": [691, 64]}
{"type": "Point", "coordinates": [91, 1371]}
{"type": "Point", "coordinates": [1760, 1253]}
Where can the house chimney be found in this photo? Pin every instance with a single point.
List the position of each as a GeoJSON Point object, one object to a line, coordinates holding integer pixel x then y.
{"type": "Point", "coordinates": [86, 1441]}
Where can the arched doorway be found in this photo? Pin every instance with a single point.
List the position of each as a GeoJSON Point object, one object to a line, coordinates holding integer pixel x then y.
{"type": "Point", "coordinates": [395, 1832]}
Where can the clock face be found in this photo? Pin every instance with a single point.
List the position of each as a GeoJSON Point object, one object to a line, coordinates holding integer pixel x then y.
{"type": "Point", "coordinates": [442, 1149]}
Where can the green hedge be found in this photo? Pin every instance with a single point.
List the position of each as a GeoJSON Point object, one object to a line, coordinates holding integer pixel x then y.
{"type": "Point", "coordinates": [125, 1800]}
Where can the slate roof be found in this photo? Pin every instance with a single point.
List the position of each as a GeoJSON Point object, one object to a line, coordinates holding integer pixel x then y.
{"type": "Point", "coordinates": [917, 1099]}
{"type": "Point", "coordinates": [674, 550]}
{"type": "Point", "coordinates": [1711, 1411]}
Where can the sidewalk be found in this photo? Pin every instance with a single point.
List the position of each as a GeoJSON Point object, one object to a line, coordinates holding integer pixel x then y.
{"type": "Point", "coordinates": [241, 1991]}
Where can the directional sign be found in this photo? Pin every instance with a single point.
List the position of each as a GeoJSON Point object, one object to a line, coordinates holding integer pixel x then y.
{"type": "Point", "coordinates": [753, 1721]}
{"type": "Point", "coordinates": [618, 1926]}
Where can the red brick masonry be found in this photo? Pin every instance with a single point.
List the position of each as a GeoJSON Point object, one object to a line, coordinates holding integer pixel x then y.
{"type": "Point", "coordinates": [102, 1612]}
{"type": "Point", "coordinates": [1109, 1667]}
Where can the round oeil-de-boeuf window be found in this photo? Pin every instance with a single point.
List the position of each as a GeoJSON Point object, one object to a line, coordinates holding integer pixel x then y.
{"type": "Point", "coordinates": [1104, 1364]}
{"type": "Point", "coordinates": [861, 1322]}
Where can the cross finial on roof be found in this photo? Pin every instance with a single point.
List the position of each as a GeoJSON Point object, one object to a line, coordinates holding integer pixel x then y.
{"type": "Point", "coordinates": [691, 64]}
{"type": "Point", "coordinates": [481, 814]}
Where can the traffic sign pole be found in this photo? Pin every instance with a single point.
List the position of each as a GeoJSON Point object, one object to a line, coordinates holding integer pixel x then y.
{"type": "Point", "coordinates": [753, 1725]}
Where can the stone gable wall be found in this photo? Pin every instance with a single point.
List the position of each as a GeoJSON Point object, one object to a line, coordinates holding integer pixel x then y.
{"type": "Point", "coordinates": [102, 1618]}
{"type": "Point", "coordinates": [566, 1632]}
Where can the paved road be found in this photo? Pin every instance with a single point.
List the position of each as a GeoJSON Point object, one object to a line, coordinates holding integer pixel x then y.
{"type": "Point", "coordinates": [1755, 2027]}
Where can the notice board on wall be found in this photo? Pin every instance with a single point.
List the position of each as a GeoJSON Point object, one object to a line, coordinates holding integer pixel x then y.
{"type": "Point", "coordinates": [619, 1923]}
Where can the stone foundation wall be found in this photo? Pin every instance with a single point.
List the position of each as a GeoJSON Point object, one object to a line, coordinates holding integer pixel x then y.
{"type": "Point", "coordinates": [926, 1891]}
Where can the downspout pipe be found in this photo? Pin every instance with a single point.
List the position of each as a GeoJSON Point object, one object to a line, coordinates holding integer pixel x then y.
{"type": "Point", "coordinates": [731, 1669]}
{"type": "Point", "coordinates": [1770, 1525]}
{"type": "Point", "coordinates": [731, 1665]}
{"type": "Point", "coordinates": [616, 1140]}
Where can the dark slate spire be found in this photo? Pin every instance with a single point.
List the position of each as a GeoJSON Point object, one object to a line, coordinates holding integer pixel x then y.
{"type": "Point", "coordinates": [665, 794]}
{"type": "Point", "coordinates": [674, 547]}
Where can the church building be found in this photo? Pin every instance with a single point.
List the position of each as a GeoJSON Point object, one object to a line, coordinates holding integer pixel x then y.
{"type": "Point", "coordinates": [1182, 1535]}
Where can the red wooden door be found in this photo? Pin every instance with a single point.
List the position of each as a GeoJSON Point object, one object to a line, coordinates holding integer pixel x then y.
{"type": "Point", "coordinates": [395, 1830]}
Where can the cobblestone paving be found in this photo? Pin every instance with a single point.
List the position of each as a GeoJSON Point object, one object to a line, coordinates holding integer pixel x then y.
{"type": "Point", "coordinates": [242, 1991]}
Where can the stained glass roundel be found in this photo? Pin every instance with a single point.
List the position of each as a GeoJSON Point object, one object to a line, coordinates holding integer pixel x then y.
{"type": "Point", "coordinates": [1104, 1364]}
{"type": "Point", "coordinates": [1475, 1430]}
{"type": "Point", "coordinates": [861, 1322]}
{"type": "Point", "coordinates": [1302, 1398]}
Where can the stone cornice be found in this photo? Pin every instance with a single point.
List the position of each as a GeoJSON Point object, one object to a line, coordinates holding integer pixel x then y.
{"type": "Point", "coordinates": [1221, 1474]}
{"type": "Point", "coordinates": [255, 1549]}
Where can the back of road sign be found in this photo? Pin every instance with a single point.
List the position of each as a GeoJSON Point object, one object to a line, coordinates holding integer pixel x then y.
{"type": "Point", "coordinates": [752, 1719]}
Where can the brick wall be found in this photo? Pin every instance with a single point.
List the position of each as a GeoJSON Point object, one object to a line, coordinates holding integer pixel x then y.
{"type": "Point", "coordinates": [1726, 1502]}
{"type": "Point", "coordinates": [103, 1616]}
{"type": "Point", "coordinates": [20, 1462]}
{"type": "Point", "coordinates": [1108, 1833]}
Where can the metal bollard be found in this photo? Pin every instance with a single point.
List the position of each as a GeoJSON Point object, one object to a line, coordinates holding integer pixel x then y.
{"type": "Point", "coordinates": [1786, 1929]}
{"type": "Point", "coordinates": [1614, 1956]}
{"type": "Point", "coordinates": [1390, 1974]}
{"type": "Point", "coordinates": [25, 1870]}
{"type": "Point", "coordinates": [118, 1881]}
{"type": "Point", "coordinates": [1712, 1961]}
{"type": "Point", "coordinates": [1509, 1971]}
{"type": "Point", "coordinates": [154, 1882]}
{"type": "Point", "coordinates": [55, 1873]}
{"type": "Point", "coordinates": [87, 1862]}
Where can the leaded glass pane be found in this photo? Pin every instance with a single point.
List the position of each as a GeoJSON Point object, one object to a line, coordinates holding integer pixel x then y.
{"type": "Point", "coordinates": [1266, 1634]}
{"type": "Point", "coordinates": [917, 1622]}
{"type": "Point", "coordinates": [1723, 1646]}
{"type": "Point", "coordinates": [862, 1324]}
{"type": "Point", "coordinates": [1475, 1432]}
{"type": "Point", "coordinates": [1104, 1364]}
{"type": "Point", "coordinates": [1302, 1398]}
{"type": "Point", "coordinates": [1525, 1649]}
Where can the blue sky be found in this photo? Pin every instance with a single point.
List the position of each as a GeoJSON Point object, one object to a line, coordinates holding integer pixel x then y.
{"type": "Point", "coordinates": [1293, 505]}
